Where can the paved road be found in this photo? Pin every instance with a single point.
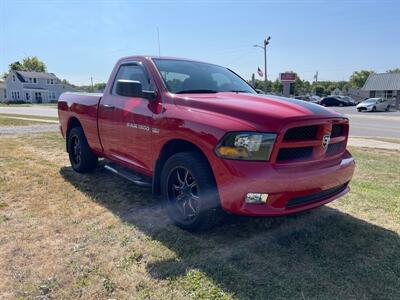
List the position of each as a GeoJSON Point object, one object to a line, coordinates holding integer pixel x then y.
{"type": "Point", "coordinates": [373, 124]}
{"type": "Point", "coordinates": [30, 110]}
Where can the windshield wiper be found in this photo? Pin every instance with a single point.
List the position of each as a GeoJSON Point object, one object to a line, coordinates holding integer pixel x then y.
{"type": "Point", "coordinates": [238, 91]}
{"type": "Point", "coordinates": [196, 91]}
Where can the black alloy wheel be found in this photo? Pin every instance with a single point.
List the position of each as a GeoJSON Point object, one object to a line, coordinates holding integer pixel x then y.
{"type": "Point", "coordinates": [76, 150]}
{"type": "Point", "coordinates": [183, 193]}
{"type": "Point", "coordinates": [190, 193]}
{"type": "Point", "coordinates": [81, 157]}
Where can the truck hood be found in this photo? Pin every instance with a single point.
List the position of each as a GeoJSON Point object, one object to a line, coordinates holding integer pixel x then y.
{"type": "Point", "coordinates": [261, 112]}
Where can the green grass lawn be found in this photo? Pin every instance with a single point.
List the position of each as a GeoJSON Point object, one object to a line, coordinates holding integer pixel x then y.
{"type": "Point", "coordinates": [24, 120]}
{"type": "Point", "coordinates": [68, 235]}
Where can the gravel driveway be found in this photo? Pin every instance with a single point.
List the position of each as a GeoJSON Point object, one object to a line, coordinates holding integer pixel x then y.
{"type": "Point", "coordinates": [28, 129]}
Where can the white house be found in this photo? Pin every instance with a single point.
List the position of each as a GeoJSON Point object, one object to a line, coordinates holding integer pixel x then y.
{"type": "Point", "coordinates": [3, 91]}
{"type": "Point", "coordinates": [35, 87]}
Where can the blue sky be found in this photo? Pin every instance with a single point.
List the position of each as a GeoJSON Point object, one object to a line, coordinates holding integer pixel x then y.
{"type": "Point", "coordinates": [80, 39]}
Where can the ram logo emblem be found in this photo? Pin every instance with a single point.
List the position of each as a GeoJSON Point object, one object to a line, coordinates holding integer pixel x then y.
{"type": "Point", "coordinates": [325, 141]}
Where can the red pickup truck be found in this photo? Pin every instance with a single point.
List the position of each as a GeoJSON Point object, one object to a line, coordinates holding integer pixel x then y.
{"type": "Point", "coordinates": [201, 136]}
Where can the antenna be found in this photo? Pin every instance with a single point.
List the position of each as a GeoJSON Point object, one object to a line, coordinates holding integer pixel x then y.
{"type": "Point", "coordinates": [158, 40]}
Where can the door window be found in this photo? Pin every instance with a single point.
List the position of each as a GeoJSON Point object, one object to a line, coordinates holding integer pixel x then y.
{"type": "Point", "coordinates": [132, 72]}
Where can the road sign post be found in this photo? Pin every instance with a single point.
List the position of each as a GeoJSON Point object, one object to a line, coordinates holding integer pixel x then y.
{"type": "Point", "coordinates": [287, 79]}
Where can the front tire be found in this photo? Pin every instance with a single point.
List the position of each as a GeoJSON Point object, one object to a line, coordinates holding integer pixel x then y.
{"type": "Point", "coordinates": [374, 109]}
{"type": "Point", "coordinates": [190, 193]}
{"type": "Point", "coordinates": [81, 157]}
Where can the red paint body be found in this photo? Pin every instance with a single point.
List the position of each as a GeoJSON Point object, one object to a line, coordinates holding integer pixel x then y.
{"type": "Point", "coordinates": [203, 119]}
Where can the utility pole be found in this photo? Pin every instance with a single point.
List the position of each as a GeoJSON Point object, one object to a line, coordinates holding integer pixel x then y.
{"type": "Point", "coordinates": [91, 80]}
{"type": "Point", "coordinates": [158, 41]}
{"type": "Point", "coordinates": [316, 81]}
{"type": "Point", "coordinates": [266, 43]}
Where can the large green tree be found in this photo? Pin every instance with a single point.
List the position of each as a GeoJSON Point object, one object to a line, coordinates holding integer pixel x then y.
{"type": "Point", "coordinates": [16, 66]}
{"type": "Point", "coordinates": [395, 70]}
{"type": "Point", "coordinates": [358, 78]}
{"type": "Point", "coordinates": [30, 63]}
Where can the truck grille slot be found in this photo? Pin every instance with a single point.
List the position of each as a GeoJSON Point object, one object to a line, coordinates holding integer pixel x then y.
{"type": "Point", "coordinates": [334, 149]}
{"type": "Point", "coordinates": [337, 130]}
{"type": "Point", "coordinates": [305, 143]}
{"type": "Point", "coordinates": [295, 153]}
{"type": "Point", "coordinates": [316, 196]}
{"type": "Point", "coordinates": [301, 133]}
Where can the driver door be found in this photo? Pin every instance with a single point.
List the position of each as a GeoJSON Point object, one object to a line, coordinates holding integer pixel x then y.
{"type": "Point", "coordinates": [381, 105]}
{"type": "Point", "coordinates": [125, 122]}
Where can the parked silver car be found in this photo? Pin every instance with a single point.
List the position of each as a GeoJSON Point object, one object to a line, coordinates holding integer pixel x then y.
{"type": "Point", "coordinates": [374, 104]}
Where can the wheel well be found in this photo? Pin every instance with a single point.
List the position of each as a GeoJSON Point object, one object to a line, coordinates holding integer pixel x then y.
{"type": "Point", "coordinates": [72, 123]}
{"type": "Point", "coordinates": [170, 148]}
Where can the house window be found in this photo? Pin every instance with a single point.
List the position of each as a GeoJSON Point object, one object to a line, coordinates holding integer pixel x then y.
{"type": "Point", "coordinates": [27, 96]}
{"type": "Point", "coordinates": [30, 79]}
{"type": "Point", "coordinates": [17, 95]}
{"type": "Point", "coordinates": [13, 77]}
{"type": "Point", "coordinates": [34, 80]}
{"type": "Point", "coordinates": [5, 94]}
{"type": "Point", "coordinates": [51, 81]}
{"type": "Point", "coordinates": [52, 95]}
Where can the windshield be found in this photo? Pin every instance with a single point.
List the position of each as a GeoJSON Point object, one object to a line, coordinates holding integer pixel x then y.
{"type": "Point", "coordinates": [372, 100]}
{"type": "Point", "coordinates": [181, 76]}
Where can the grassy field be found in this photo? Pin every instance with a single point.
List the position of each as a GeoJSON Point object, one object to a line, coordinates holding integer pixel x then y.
{"type": "Point", "coordinates": [24, 120]}
{"type": "Point", "coordinates": [66, 235]}
{"type": "Point", "coordinates": [28, 105]}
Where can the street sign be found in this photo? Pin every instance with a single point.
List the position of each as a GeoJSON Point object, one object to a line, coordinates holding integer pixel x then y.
{"type": "Point", "coordinates": [287, 77]}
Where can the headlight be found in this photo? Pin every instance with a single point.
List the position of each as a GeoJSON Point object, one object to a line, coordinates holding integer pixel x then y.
{"type": "Point", "coordinates": [246, 145]}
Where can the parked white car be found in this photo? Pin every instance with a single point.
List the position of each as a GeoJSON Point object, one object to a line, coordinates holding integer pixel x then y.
{"type": "Point", "coordinates": [374, 104]}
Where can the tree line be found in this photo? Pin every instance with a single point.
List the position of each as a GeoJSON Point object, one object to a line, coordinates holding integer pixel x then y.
{"type": "Point", "coordinates": [299, 87]}
{"type": "Point", "coordinates": [320, 88]}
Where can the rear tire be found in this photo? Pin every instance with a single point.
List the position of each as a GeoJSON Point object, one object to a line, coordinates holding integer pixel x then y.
{"type": "Point", "coordinates": [81, 157]}
{"type": "Point", "coordinates": [387, 108]}
{"type": "Point", "coordinates": [374, 108]}
{"type": "Point", "coordinates": [190, 193]}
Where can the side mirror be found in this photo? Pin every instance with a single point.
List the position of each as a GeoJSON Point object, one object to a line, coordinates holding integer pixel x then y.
{"type": "Point", "coordinates": [132, 88]}
{"type": "Point", "coordinates": [129, 88]}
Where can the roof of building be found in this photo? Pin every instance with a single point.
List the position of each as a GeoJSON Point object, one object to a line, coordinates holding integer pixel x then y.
{"type": "Point", "coordinates": [43, 75]}
{"type": "Point", "coordinates": [383, 82]}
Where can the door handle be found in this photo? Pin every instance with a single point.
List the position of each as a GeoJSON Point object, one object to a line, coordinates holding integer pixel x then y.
{"type": "Point", "coordinates": [108, 106]}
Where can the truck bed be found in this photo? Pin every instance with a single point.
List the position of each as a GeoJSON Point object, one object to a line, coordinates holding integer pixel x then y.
{"type": "Point", "coordinates": [84, 107]}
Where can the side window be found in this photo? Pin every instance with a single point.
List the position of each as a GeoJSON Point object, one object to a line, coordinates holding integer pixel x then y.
{"type": "Point", "coordinates": [132, 72]}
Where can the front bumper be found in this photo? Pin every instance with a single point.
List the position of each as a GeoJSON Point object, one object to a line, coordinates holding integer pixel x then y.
{"type": "Point", "coordinates": [364, 108]}
{"type": "Point", "coordinates": [291, 189]}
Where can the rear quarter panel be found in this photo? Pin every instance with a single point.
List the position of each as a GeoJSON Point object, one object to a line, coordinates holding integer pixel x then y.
{"type": "Point", "coordinates": [84, 108]}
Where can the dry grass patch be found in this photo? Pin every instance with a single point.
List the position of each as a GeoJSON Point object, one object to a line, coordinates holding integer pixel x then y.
{"type": "Point", "coordinates": [67, 235]}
